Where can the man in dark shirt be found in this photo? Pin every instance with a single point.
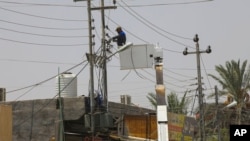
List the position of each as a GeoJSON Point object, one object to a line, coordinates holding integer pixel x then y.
{"type": "Point", "coordinates": [120, 39]}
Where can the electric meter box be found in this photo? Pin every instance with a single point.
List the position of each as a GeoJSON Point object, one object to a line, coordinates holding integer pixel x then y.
{"type": "Point", "coordinates": [137, 56]}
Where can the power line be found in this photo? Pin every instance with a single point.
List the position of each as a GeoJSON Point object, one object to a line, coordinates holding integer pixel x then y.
{"type": "Point", "coordinates": [157, 27]}
{"type": "Point", "coordinates": [32, 61]}
{"type": "Point", "coordinates": [200, 94]}
{"type": "Point", "coordinates": [22, 13]}
{"type": "Point", "coordinates": [46, 104]}
{"type": "Point", "coordinates": [34, 113]}
{"type": "Point", "coordinates": [40, 44]}
{"type": "Point", "coordinates": [206, 73]}
{"type": "Point", "coordinates": [53, 28]}
{"type": "Point", "coordinates": [171, 50]}
{"type": "Point", "coordinates": [41, 4]}
{"type": "Point", "coordinates": [164, 80]}
{"type": "Point", "coordinates": [128, 31]}
{"type": "Point", "coordinates": [39, 83]}
{"type": "Point", "coordinates": [57, 36]}
{"type": "Point", "coordinates": [178, 73]}
{"type": "Point", "coordinates": [165, 4]}
{"type": "Point", "coordinates": [191, 78]}
{"type": "Point", "coordinates": [76, 6]}
{"type": "Point", "coordinates": [25, 92]}
{"type": "Point", "coordinates": [156, 30]}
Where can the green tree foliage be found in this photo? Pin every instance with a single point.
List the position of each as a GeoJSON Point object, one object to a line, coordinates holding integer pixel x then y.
{"type": "Point", "coordinates": [175, 104]}
{"type": "Point", "coordinates": [152, 99]}
{"type": "Point", "coordinates": [234, 78]}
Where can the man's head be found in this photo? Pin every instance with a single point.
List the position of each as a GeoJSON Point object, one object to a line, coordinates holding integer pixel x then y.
{"type": "Point", "coordinates": [118, 29]}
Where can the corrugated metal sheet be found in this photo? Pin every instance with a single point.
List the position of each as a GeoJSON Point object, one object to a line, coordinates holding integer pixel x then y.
{"type": "Point", "coordinates": [140, 126]}
{"type": "Point", "coordinates": [181, 127]}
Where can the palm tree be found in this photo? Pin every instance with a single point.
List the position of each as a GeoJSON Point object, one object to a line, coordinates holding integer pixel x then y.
{"type": "Point", "coordinates": [174, 105]}
{"type": "Point", "coordinates": [152, 99]}
{"type": "Point", "coordinates": [234, 79]}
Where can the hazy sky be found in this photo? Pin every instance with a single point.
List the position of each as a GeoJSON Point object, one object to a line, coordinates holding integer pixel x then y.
{"type": "Point", "coordinates": [40, 38]}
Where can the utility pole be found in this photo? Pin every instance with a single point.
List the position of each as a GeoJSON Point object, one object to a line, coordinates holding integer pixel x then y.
{"type": "Point", "coordinates": [217, 112]}
{"type": "Point", "coordinates": [200, 95]}
{"type": "Point", "coordinates": [91, 68]}
{"type": "Point", "coordinates": [103, 44]}
{"type": "Point", "coordinates": [92, 59]}
{"type": "Point", "coordinates": [162, 119]}
{"type": "Point", "coordinates": [104, 64]}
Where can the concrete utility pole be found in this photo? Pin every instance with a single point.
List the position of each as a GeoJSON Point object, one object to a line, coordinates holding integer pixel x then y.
{"type": "Point", "coordinates": [217, 112]}
{"type": "Point", "coordinates": [200, 96]}
{"type": "Point", "coordinates": [91, 68]}
{"type": "Point", "coordinates": [104, 63]}
{"type": "Point", "coordinates": [92, 59]}
{"type": "Point", "coordinates": [162, 119]}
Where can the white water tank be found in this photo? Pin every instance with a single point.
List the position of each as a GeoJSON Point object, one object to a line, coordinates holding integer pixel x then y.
{"type": "Point", "coordinates": [67, 83]}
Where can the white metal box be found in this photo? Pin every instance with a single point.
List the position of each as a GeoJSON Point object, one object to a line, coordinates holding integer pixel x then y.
{"type": "Point", "coordinates": [137, 56]}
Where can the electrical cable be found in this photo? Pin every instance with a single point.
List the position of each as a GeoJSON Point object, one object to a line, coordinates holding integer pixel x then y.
{"type": "Point", "coordinates": [40, 44]}
{"type": "Point", "coordinates": [178, 73]}
{"type": "Point", "coordinates": [137, 37]}
{"type": "Point", "coordinates": [116, 91]}
{"type": "Point", "coordinates": [16, 102]}
{"type": "Point", "coordinates": [41, 34]}
{"type": "Point", "coordinates": [153, 29]}
{"type": "Point", "coordinates": [46, 104]}
{"type": "Point", "coordinates": [41, 4]}
{"type": "Point", "coordinates": [153, 25]}
{"type": "Point", "coordinates": [148, 5]}
{"type": "Point", "coordinates": [48, 18]}
{"type": "Point", "coordinates": [31, 61]}
{"type": "Point", "coordinates": [172, 50]}
{"type": "Point", "coordinates": [169, 76]}
{"type": "Point", "coordinates": [164, 80]}
{"type": "Point", "coordinates": [135, 69]}
{"type": "Point", "coordinates": [194, 102]}
{"type": "Point", "coordinates": [39, 83]}
{"type": "Point", "coordinates": [26, 92]}
{"type": "Point", "coordinates": [206, 73]}
{"type": "Point", "coordinates": [141, 17]}
{"type": "Point", "coordinates": [126, 75]}
{"type": "Point", "coordinates": [191, 78]}
{"type": "Point", "coordinates": [52, 28]}
{"type": "Point", "coordinates": [162, 4]}
{"type": "Point", "coordinates": [144, 77]}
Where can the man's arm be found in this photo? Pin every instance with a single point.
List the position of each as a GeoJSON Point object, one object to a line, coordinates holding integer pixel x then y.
{"type": "Point", "coordinates": [114, 39]}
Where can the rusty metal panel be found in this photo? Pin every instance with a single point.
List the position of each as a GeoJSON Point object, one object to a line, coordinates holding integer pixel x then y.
{"type": "Point", "coordinates": [5, 123]}
{"type": "Point", "coordinates": [180, 127]}
{"type": "Point", "coordinates": [152, 129]}
{"type": "Point", "coordinates": [140, 126]}
{"type": "Point", "coordinates": [136, 126]}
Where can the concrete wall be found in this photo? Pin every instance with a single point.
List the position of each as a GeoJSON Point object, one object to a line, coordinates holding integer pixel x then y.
{"type": "Point", "coordinates": [35, 120]}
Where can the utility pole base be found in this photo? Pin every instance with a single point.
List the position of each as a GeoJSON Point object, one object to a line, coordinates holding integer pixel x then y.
{"type": "Point", "coordinates": [162, 123]}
